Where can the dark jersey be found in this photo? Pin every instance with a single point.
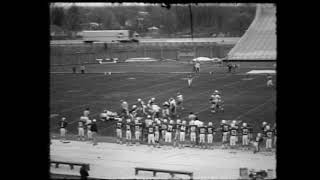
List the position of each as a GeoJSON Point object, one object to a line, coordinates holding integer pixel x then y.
{"type": "Point", "coordinates": [183, 128]}
{"type": "Point", "coordinates": [80, 124]}
{"type": "Point", "coordinates": [233, 131]}
{"type": "Point", "coordinates": [157, 128]}
{"type": "Point", "coordinates": [150, 129]}
{"type": "Point", "coordinates": [269, 134]}
{"type": "Point", "coordinates": [225, 127]}
{"type": "Point", "coordinates": [63, 124]}
{"type": "Point", "coordinates": [245, 131]}
{"type": "Point", "coordinates": [177, 127]}
{"type": "Point", "coordinates": [210, 130]}
{"type": "Point", "coordinates": [275, 131]}
{"type": "Point", "coordinates": [137, 127]}
{"type": "Point", "coordinates": [193, 128]}
{"type": "Point", "coordinates": [258, 139]}
{"type": "Point", "coordinates": [119, 125]}
{"type": "Point", "coordinates": [128, 126]}
{"type": "Point", "coordinates": [164, 126]}
{"type": "Point", "coordinates": [170, 128]}
{"type": "Point", "coordinates": [202, 130]}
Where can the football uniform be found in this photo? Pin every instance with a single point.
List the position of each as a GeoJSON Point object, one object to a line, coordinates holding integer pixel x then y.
{"type": "Point", "coordinates": [189, 80]}
{"type": "Point", "coordinates": [183, 129]}
{"type": "Point", "coordinates": [269, 81]}
{"type": "Point", "coordinates": [164, 127]}
{"type": "Point", "coordinates": [274, 136]}
{"type": "Point", "coordinates": [119, 129]}
{"type": "Point", "coordinates": [86, 113]}
{"type": "Point", "coordinates": [193, 129]}
{"type": "Point", "coordinates": [157, 133]}
{"type": "Point", "coordinates": [256, 143]}
{"type": "Point", "coordinates": [89, 132]}
{"type": "Point", "coordinates": [179, 100]}
{"type": "Point", "coordinates": [169, 133]}
{"type": "Point", "coordinates": [210, 131]}
{"type": "Point", "coordinates": [225, 132]}
{"type": "Point", "coordinates": [165, 112]}
{"type": "Point", "coordinates": [245, 133]}
{"type": "Point", "coordinates": [151, 134]}
{"type": "Point", "coordinates": [176, 129]}
{"type": "Point", "coordinates": [202, 134]}
{"type": "Point", "coordinates": [233, 135]}
{"type": "Point", "coordinates": [63, 125]}
{"type": "Point", "coordinates": [137, 129]}
{"type": "Point", "coordinates": [269, 134]}
{"type": "Point", "coordinates": [128, 131]}
{"type": "Point", "coordinates": [173, 106]}
{"type": "Point", "coordinates": [81, 129]}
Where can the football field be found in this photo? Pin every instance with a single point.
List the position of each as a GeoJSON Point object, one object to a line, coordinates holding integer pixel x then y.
{"type": "Point", "coordinates": [246, 97]}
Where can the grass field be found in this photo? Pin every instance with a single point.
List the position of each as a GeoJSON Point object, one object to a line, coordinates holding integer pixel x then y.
{"type": "Point", "coordinates": [247, 100]}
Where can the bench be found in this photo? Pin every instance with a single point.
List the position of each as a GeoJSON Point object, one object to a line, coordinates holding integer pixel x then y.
{"type": "Point", "coordinates": [71, 164]}
{"type": "Point", "coordinates": [171, 172]}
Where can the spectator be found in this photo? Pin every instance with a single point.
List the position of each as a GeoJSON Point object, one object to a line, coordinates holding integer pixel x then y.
{"type": "Point", "coordinates": [82, 69]}
{"type": "Point", "coordinates": [94, 130]}
{"type": "Point", "coordinates": [84, 172]}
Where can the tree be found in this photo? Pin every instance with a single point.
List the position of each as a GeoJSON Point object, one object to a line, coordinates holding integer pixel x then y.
{"type": "Point", "coordinates": [73, 18]}
{"type": "Point", "coordinates": [57, 16]}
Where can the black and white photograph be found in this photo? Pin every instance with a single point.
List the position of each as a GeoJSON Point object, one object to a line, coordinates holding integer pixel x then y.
{"type": "Point", "coordinates": [163, 90]}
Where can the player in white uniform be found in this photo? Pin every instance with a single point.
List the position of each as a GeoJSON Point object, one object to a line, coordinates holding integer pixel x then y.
{"type": "Point", "coordinates": [173, 107]}
{"type": "Point", "coordinates": [81, 128]}
{"type": "Point", "coordinates": [155, 111]}
{"type": "Point", "coordinates": [269, 134]}
{"type": "Point", "coordinates": [182, 135]}
{"type": "Point", "coordinates": [202, 135]}
{"type": "Point", "coordinates": [165, 109]}
{"type": "Point", "coordinates": [210, 132]}
{"type": "Point", "coordinates": [245, 132]}
{"type": "Point", "coordinates": [180, 100]}
{"type": "Point", "coordinates": [269, 81]}
{"type": "Point", "coordinates": [89, 133]}
{"type": "Point", "coordinates": [128, 132]}
{"type": "Point", "coordinates": [189, 78]}
{"type": "Point", "coordinates": [168, 137]}
{"type": "Point", "coordinates": [192, 129]}
{"type": "Point", "coordinates": [119, 127]}
{"type": "Point", "coordinates": [125, 108]}
{"type": "Point", "coordinates": [141, 106]}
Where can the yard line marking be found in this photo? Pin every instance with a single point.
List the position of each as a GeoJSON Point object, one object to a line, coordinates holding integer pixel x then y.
{"type": "Point", "coordinates": [255, 108]}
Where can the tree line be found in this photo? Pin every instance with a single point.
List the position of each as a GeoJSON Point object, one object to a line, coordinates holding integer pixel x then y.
{"type": "Point", "coordinates": [214, 19]}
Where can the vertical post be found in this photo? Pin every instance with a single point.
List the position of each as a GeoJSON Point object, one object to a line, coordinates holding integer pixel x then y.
{"type": "Point", "coordinates": [161, 53]}
{"type": "Point", "coordinates": [144, 51]}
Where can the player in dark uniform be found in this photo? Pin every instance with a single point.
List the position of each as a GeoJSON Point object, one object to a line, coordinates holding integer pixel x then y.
{"type": "Point", "coordinates": [257, 142]}
{"type": "Point", "coordinates": [137, 129]}
{"type": "Point", "coordinates": [157, 128]}
{"type": "Point", "coordinates": [210, 133]}
{"type": "Point", "coordinates": [250, 134]}
{"type": "Point", "coordinates": [225, 132]}
{"type": "Point", "coordinates": [233, 136]}
{"type": "Point", "coordinates": [129, 127]}
{"type": "Point", "coordinates": [245, 138]}
{"type": "Point", "coordinates": [164, 127]}
{"type": "Point", "coordinates": [202, 135]}
{"type": "Point", "coordinates": [183, 129]}
{"type": "Point", "coordinates": [151, 134]}
{"type": "Point", "coordinates": [176, 131]}
{"type": "Point", "coordinates": [269, 136]}
{"type": "Point", "coordinates": [119, 127]}
{"type": "Point", "coordinates": [274, 134]}
{"type": "Point", "coordinates": [63, 128]}
{"type": "Point", "coordinates": [193, 131]}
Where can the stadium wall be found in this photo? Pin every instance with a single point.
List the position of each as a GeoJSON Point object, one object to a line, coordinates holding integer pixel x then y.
{"type": "Point", "coordinates": [88, 53]}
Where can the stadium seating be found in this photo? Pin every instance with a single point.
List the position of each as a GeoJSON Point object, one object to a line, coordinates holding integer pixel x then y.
{"type": "Point", "coordinates": [259, 41]}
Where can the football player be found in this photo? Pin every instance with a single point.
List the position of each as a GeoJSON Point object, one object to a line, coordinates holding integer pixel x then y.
{"type": "Point", "coordinates": [155, 111]}
{"type": "Point", "coordinates": [180, 100]}
{"type": "Point", "coordinates": [157, 132]}
{"type": "Point", "coordinates": [274, 134]}
{"type": "Point", "coordinates": [151, 134]}
{"type": "Point", "coordinates": [202, 135]}
{"type": "Point", "coordinates": [269, 81]}
{"type": "Point", "coordinates": [225, 129]}
{"type": "Point", "coordinates": [165, 109]}
{"type": "Point", "coordinates": [183, 129]}
{"type": "Point", "coordinates": [257, 143]}
{"type": "Point", "coordinates": [86, 112]}
{"type": "Point", "coordinates": [128, 132]}
{"type": "Point", "coordinates": [172, 107]}
{"type": "Point", "coordinates": [151, 102]}
{"type": "Point", "coordinates": [81, 129]}
{"type": "Point", "coordinates": [133, 111]}
{"type": "Point", "coordinates": [137, 129]}
{"type": "Point", "coordinates": [124, 108]}
{"type": "Point", "coordinates": [189, 78]}
{"type": "Point", "coordinates": [176, 130]}
{"type": "Point", "coordinates": [269, 134]}
{"type": "Point", "coordinates": [210, 132]}
{"type": "Point", "coordinates": [63, 128]}
{"type": "Point", "coordinates": [245, 132]}
{"type": "Point", "coordinates": [233, 135]}
{"type": "Point", "coordinates": [169, 132]}
{"type": "Point", "coordinates": [141, 106]}
{"type": "Point", "coordinates": [191, 116]}
{"type": "Point", "coordinates": [119, 127]}
{"type": "Point", "coordinates": [164, 127]}
{"type": "Point", "coordinates": [89, 133]}
{"type": "Point", "coordinates": [192, 129]}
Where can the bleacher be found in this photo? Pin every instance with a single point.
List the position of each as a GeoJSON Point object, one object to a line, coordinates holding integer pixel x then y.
{"type": "Point", "coordinates": [260, 41]}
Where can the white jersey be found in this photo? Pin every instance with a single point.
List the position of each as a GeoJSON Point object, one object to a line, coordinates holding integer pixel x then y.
{"type": "Point", "coordinates": [155, 108]}
{"type": "Point", "coordinates": [173, 103]}
{"type": "Point", "coordinates": [180, 97]}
